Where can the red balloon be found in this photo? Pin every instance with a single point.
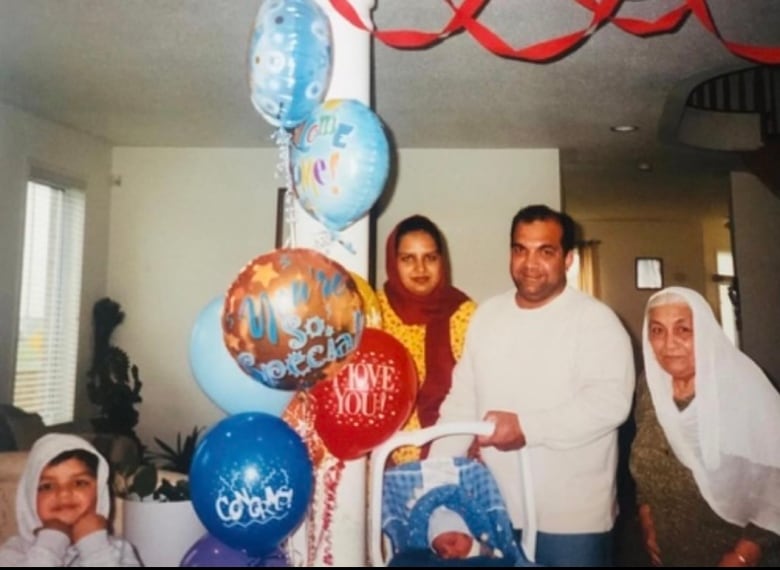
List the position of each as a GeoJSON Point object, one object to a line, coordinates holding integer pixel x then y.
{"type": "Point", "coordinates": [369, 399]}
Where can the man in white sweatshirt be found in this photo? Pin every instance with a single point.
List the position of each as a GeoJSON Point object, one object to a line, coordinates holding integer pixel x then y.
{"type": "Point", "coordinates": [553, 368]}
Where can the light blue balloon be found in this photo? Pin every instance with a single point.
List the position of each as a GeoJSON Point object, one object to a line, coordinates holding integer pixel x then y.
{"type": "Point", "coordinates": [290, 57]}
{"type": "Point", "coordinates": [340, 160]}
{"type": "Point", "coordinates": [220, 377]}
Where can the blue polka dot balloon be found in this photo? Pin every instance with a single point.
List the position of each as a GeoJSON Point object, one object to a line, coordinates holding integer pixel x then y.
{"type": "Point", "coordinates": [290, 57]}
{"type": "Point", "coordinates": [251, 481]}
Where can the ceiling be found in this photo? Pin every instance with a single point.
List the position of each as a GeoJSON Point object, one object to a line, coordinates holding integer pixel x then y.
{"type": "Point", "coordinates": [173, 73]}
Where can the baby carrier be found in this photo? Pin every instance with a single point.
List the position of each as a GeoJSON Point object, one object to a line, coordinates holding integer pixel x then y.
{"type": "Point", "coordinates": [403, 497]}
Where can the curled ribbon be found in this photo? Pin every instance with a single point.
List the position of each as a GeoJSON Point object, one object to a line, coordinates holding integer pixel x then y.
{"type": "Point", "coordinates": [323, 540]}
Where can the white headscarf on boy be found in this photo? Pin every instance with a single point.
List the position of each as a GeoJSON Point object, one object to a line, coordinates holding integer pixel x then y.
{"type": "Point", "coordinates": [737, 411]}
{"type": "Point", "coordinates": [43, 451]}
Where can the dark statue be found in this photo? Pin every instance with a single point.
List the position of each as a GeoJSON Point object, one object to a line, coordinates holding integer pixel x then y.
{"type": "Point", "coordinates": [110, 386]}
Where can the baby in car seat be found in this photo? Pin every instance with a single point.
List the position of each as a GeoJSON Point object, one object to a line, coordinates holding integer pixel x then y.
{"type": "Point", "coordinates": [450, 538]}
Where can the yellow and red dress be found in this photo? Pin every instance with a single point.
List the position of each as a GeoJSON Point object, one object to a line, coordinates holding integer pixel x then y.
{"type": "Point", "coordinates": [412, 336]}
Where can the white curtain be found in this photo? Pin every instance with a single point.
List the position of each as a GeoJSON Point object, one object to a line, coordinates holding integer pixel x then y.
{"type": "Point", "coordinates": [588, 276]}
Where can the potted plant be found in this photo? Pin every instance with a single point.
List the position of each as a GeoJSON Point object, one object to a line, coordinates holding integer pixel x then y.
{"type": "Point", "coordinates": [155, 502]}
{"type": "Point", "coordinates": [178, 458]}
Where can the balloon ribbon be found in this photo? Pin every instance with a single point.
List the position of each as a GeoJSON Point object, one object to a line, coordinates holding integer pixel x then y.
{"type": "Point", "coordinates": [324, 539]}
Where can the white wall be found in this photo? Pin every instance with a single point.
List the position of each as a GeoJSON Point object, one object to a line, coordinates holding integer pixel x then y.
{"type": "Point", "coordinates": [756, 211]}
{"type": "Point", "coordinates": [472, 196]}
{"type": "Point", "coordinates": [678, 244]}
{"type": "Point", "coordinates": [25, 139]}
{"type": "Point", "coordinates": [717, 237]}
{"type": "Point", "coordinates": [185, 221]}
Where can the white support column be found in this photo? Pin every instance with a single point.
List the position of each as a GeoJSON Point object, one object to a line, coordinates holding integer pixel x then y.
{"type": "Point", "coordinates": [351, 79]}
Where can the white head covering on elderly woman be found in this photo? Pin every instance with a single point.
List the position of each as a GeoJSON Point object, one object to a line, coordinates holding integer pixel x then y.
{"type": "Point", "coordinates": [732, 447]}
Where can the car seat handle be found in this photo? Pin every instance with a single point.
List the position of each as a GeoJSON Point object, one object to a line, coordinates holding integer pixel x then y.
{"type": "Point", "coordinates": [419, 438]}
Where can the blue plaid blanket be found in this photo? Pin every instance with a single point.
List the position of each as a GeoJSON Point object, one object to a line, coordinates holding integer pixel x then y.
{"type": "Point", "coordinates": [467, 487]}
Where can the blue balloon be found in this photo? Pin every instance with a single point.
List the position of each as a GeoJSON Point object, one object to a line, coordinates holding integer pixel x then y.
{"type": "Point", "coordinates": [340, 161]}
{"type": "Point", "coordinates": [290, 58]}
{"type": "Point", "coordinates": [219, 375]}
{"type": "Point", "coordinates": [251, 482]}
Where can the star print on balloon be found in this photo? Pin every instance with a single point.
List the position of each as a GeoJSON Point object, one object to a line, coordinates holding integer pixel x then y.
{"type": "Point", "coordinates": [292, 318]}
{"type": "Point", "coordinates": [264, 273]}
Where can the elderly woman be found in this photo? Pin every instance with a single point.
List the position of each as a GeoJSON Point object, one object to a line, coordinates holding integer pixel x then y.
{"type": "Point", "coordinates": [425, 313]}
{"type": "Point", "coordinates": [706, 457]}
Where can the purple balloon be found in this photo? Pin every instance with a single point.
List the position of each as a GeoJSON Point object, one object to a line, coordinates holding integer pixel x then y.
{"type": "Point", "coordinates": [210, 552]}
{"type": "Point", "coordinates": [276, 559]}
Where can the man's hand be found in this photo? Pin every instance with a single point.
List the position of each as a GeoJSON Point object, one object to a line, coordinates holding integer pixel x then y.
{"type": "Point", "coordinates": [508, 434]}
{"type": "Point", "coordinates": [87, 524]}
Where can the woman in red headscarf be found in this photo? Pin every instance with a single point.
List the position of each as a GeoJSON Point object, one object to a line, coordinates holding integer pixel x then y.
{"type": "Point", "coordinates": [428, 315]}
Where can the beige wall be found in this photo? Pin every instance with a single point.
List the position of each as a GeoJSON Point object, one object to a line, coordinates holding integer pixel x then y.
{"type": "Point", "coordinates": [472, 196]}
{"type": "Point", "coordinates": [183, 224]}
{"type": "Point", "coordinates": [678, 244]}
{"type": "Point", "coordinates": [716, 237]}
{"type": "Point", "coordinates": [25, 140]}
{"type": "Point", "coordinates": [185, 221]}
{"type": "Point", "coordinates": [756, 212]}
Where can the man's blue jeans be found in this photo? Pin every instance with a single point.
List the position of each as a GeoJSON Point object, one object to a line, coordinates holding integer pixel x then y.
{"type": "Point", "coordinates": [588, 549]}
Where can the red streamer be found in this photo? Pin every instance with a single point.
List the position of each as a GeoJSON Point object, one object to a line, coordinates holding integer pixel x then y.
{"type": "Point", "coordinates": [465, 18]}
{"type": "Point", "coordinates": [663, 25]}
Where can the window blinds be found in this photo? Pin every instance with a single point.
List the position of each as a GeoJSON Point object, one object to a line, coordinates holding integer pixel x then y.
{"type": "Point", "coordinates": [47, 345]}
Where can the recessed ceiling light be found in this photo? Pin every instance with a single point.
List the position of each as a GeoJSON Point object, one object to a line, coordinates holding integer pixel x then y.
{"type": "Point", "coordinates": [644, 166]}
{"type": "Point", "coordinates": [624, 128]}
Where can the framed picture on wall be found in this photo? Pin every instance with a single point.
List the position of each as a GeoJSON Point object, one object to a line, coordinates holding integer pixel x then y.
{"type": "Point", "coordinates": [649, 273]}
{"type": "Point", "coordinates": [281, 226]}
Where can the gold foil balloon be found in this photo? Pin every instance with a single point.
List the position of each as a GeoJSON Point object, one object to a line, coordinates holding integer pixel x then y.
{"type": "Point", "coordinates": [371, 310]}
{"type": "Point", "coordinates": [292, 318]}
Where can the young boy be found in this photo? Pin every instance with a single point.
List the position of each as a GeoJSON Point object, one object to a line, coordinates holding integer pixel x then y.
{"type": "Point", "coordinates": [62, 505]}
